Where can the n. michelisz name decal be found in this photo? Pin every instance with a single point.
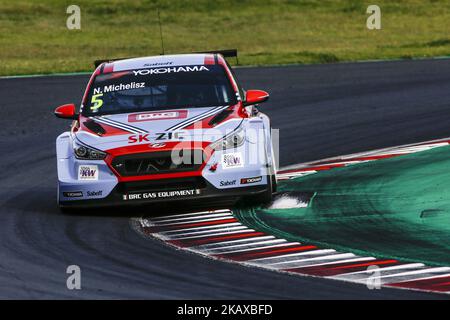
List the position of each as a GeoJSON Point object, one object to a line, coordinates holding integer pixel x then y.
{"type": "Point", "coordinates": [119, 87]}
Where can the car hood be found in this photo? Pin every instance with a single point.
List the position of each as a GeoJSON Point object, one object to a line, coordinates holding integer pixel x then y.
{"type": "Point", "coordinates": [165, 126]}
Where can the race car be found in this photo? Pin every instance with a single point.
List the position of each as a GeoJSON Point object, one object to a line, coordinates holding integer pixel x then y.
{"type": "Point", "coordinates": [165, 128]}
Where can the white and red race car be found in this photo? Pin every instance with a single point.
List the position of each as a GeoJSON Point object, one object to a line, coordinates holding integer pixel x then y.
{"type": "Point", "coordinates": [165, 128]}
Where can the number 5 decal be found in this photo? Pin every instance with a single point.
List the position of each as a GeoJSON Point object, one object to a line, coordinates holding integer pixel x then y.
{"type": "Point", "coordinates": [96, 101]}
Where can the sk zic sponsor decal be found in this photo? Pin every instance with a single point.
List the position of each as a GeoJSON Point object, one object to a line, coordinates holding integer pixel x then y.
{"type": "Point", "coordinates": [138, 138]}
{"type": "Point", "coordinates": [88, 172]}
{"type": "Point", "coordinates": [232, 160]}
{"type": "Point", "coordinates": [251, 180]}
{"type": "Point", "coordinates": [144, 137]}
{"type": "Point", "coordinates": [151, 116]}
{"type": "Point", "coordinates": [161, 194]}
{"type": "Point", "coordinates": [170, 135]}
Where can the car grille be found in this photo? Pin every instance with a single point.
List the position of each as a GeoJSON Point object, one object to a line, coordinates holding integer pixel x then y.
{"type": "Point", "coordinates": [156, 163]}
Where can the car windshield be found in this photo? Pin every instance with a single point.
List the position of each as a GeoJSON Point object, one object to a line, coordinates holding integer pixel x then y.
{"type": "Point", "coordinates": [158, 89]}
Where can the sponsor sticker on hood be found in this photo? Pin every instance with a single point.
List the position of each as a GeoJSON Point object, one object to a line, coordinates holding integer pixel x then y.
{"type": "Point", "coordinates": [158, 115]}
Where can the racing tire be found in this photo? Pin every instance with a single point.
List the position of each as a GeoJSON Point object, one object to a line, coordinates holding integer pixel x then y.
{"type": "Point", "coordinates": [266, 196]}
{"type": "Point", "coordinates": [68, 210]}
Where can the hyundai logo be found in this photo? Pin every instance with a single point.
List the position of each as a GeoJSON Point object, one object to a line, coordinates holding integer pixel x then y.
{"type": "Point", "coordinates": [157, 145]}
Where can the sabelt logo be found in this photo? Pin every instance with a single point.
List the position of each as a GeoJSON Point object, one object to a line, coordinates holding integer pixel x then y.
{"type": "Point", "coordinates": [251, 180]}
{"type": "Point", "coordinates": [227, 183]}
{"type": "Point", "coordinates": [95, 193]}
{"type": "Point", "coordinates": [88, 172]}
{"type": "Point", "coordinates": [152, 116]}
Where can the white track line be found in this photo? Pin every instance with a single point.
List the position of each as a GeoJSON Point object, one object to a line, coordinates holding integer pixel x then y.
{"type": "Point", "coordinates": [232, 243]}
{"type": "Point", "coordinates": [193, 231]}
{"type": "Point", "coordinates": [224, 225]}
{"type": "Point", "coordinates": [189, 222]}
{"type": "Point", "coordinates": [319, 263]}
{"type": "Point", "coordinates": [189, 214]}
{"type": "Point", "coordinates": [426, 278]}
{"type": "Point", "coordinates": [301, 258]}
{"type": "Point", "coordinates": [205, 235]}
{"type": "Point", "coordinates": [392, 268]}
{"type": "Point", "coordinates": [394, 277]}
{"type": "Point", "coordinates": [287, 244]}
{"type": "Point", "coordinates": [338, 256]}
{"type": "Point", "coordinates": [312, 264]}
{"type": "Point", "coordinates": [253, 246]}
{"type": "Point", "coordinates": [159, 222]}
{"type": "Point", "coordinates": [211, 233]}
{"type": "Point", "coordinates": [416, 272]}
{"type": "Point", "coordinates": [267, 260]}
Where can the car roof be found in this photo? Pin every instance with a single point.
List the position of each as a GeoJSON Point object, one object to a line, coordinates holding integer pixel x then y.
{"type": "Point", "coordinates": [162, 61]}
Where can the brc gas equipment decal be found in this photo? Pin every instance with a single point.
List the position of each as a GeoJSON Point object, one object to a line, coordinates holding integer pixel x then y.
{"type": "Point", "coordinates": [161, 194]}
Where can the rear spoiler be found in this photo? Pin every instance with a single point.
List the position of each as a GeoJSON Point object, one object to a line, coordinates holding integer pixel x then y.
{"type": "Point", "coordinates": [227, 53]}
{"type": "Point", "coordinates": [99, 62]}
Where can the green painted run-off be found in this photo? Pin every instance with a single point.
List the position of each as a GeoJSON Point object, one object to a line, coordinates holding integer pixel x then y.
{"type": "Point", "coordinates": [395, 208]}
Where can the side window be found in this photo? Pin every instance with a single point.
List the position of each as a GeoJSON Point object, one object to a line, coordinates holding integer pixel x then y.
{"type": "Point", "coordinates": [241, 90]}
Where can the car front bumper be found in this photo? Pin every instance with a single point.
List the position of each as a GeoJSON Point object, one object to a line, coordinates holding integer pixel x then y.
{"type": "Point", "coordinates": [187, 190]}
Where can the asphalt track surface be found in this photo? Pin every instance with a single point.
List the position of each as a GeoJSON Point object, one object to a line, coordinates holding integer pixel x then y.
{"type": "Point", "coordinates": [321, 111]}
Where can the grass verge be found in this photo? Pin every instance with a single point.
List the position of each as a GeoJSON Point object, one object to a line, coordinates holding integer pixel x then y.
{"type": "Point", "coordinates": [34, 37]}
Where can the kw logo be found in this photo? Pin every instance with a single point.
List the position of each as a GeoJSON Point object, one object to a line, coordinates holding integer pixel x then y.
{"type": "Point", "coordinates": [232, 160]}
{"type": "Point", "coordinates": [88, 172]}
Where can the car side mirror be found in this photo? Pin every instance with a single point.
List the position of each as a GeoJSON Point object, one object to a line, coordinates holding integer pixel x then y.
{"type": "Point", "coordinates": [255, 96]}
{"type": "Point", "coordinates": [66, 111]}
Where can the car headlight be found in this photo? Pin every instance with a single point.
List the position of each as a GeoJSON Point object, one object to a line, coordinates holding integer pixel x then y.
{"type": "Point", "coordinates": [233, 140]}
{"type": "Point", "coordinates": [85, 153]}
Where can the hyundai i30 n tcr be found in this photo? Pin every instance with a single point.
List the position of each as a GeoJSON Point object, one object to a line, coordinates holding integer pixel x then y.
{"type": "Point", "coordinates": [164, 128]}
